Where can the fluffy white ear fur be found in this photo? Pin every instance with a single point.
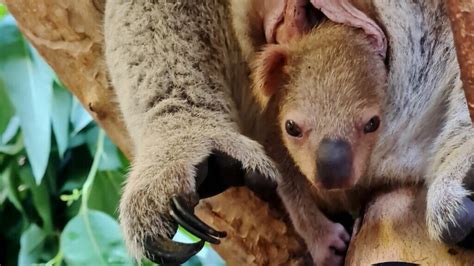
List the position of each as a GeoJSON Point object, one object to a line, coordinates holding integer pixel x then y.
{"type": "Point", "coordinates": [269, 73]}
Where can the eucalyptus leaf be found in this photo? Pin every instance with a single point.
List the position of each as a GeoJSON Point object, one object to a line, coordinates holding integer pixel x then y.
{"type": "Point", "coordinates": [106, 191]}
{"type": "Point", "coordinates": [11, 130]}
{"type": "Point", "coordinates": [7, 110]}
{"type": "Point", "coordinates": [76, 171]}
{"type": "Point", "coordinates": [77, 140]}
{"type": "Point", "coordinates": [80, 118]}
{"type": "Point", "coordinates": [93, 238]}
{"type": "Point", "coordinates": [3, 191]}
{"type": "Point", "coordinates": [40, 195]}
{"type": "Point", "coordinates": [61, 108]}
{"type": "Point", "coordinates": [207, 256]}
{"type": "Point", "coordinates": [41, 65]}
{"type": "Point", "coordinates": [12, 149]}
{"type": "Point", "coordinates": [31, 245]}
{"type": "Point", "coordinates": [11, 40]}
{"type": "Point", "coordinates": [28, 82]}
{"type": "Point", "coordinates": [110, 159]}
{"type": "Point", "coordinates": [3, 11]}
{"type": "Point", "coordinates": [8, 177]}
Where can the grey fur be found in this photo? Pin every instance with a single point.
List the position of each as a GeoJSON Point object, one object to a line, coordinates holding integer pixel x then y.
{"type": "Point", "coordinates": [176, 69]}
{"type": "Point", "coordinates": [429, 136]}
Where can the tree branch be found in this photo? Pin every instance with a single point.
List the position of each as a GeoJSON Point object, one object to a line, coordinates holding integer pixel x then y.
{"type": "Point", "coordinates": [461, 15]}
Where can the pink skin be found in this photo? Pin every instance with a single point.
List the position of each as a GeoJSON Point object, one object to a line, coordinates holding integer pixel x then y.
{"type": "Point", "coordinates": [291, 16]}
{"type": "Point", "coordinates": [272, 12]}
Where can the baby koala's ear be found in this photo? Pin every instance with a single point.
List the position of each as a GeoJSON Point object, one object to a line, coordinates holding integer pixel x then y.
{"type": "Point", "coordinates": [269, 72]}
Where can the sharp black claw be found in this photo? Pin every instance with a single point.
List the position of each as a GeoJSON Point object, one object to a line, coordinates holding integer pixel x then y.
{"type": "Point", "coordinates": [167, 252]}
{"type": "Point", "coordinates": [193, 220]}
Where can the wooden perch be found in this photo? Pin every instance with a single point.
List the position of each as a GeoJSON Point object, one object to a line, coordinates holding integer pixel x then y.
{"type": "Point", "coordinates": [68, 34]}
{"type": "Point", "coordinates": [461, 15]}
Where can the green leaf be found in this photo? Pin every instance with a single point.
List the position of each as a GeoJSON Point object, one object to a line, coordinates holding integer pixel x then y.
{"type": "Point", "coordinates": [87, 187]}
{"type": "Point", "coordinates": [110, 159]}
{"type": "Point", "coordinates": [3, 11]}
{"type": "Point", "coordinates": [11, 40]}
{"type": "Point", "coordinates": [3, 191]}
{"type": "Point", "coordinates": [93, 238]}
{"type": "Point", "coordinates": [11, 130]}
{"type": "Point", "coordinates": [80, 118]}
{"type": "Point", "coordinates": [78, 169]}
{"type": "Point", "coordinates": [12, 184]}
{"type": "Point", "coordinates": [41, 198]}
{"type": "Point", "coordinates": [77, 140]}
{"type": "Point", "coordinates": [62, 103]}
{"type": "Point", "coordinates": [12, 149]}
{"type": "Point", "coordinates": [106, 191]}
{"type": "Point", "coordinates": [31, 245]}
{"type": "Point", "coordinates": [56, 260]}
{"type": "Point", "coordinates": [207, 256]}
{"type": "Point", "coordinates": [7, 111]}
{"type": "Point", "coordinates": [182, 235]}
{"type": "Point", "coordinates": [28, 82]}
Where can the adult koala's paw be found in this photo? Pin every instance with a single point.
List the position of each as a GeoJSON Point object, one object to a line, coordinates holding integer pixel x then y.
{"type": "Point", "coordinates": [162, 193]}
{"type": "Point", "coordinates": [450, 210]}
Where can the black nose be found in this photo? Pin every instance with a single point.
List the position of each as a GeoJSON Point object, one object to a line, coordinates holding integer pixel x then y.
{"type": "Point", "coordinates": [334, 163]}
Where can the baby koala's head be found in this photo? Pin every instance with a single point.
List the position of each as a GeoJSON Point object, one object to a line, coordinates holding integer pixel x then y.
{"type": "Point", "coordinates": [327, 89]}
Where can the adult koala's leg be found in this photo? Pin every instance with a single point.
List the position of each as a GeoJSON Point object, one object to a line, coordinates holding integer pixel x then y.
{"type": "Point", "coordinates": [170, 63]}
{"type": "Point", "coordinates": [450, 206]}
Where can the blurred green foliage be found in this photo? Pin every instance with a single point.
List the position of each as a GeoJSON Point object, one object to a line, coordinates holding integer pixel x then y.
{"type": "Point", "coordinates": [3, 11]}
{"type": "Point", "coordinates": [60, 176]}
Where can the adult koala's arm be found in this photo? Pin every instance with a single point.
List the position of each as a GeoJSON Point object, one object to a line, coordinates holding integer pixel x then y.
{"type": "Point", "coordinates": [173, 65]}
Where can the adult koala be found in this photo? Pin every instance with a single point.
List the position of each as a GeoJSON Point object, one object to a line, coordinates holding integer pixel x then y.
{"type": "Point", "coordinates": [182, 84]}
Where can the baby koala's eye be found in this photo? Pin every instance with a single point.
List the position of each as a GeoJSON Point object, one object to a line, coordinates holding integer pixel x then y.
{"type": "Point", "coordinates": [293, 129]}
{"type": "Point", "coordinates": [372, 125]}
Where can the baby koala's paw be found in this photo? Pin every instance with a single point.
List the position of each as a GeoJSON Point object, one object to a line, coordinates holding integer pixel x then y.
{"type": "Point", "coordinates": [450, 211]}
{"type": "Point", "coordinates": [329, 248]}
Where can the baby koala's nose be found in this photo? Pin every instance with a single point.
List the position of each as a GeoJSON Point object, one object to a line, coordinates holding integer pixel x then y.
{"type": "Point", "coordinates": [334, 163]}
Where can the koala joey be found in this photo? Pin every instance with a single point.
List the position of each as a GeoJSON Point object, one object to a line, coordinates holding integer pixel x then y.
{"type": "Point", "coordinates": [324, 93]}
{"type": "Point", "coordinates": [350, 122]}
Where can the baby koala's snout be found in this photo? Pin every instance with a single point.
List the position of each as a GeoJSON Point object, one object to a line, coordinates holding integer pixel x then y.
{"type": "Point", "coordinates": [334, 163]}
